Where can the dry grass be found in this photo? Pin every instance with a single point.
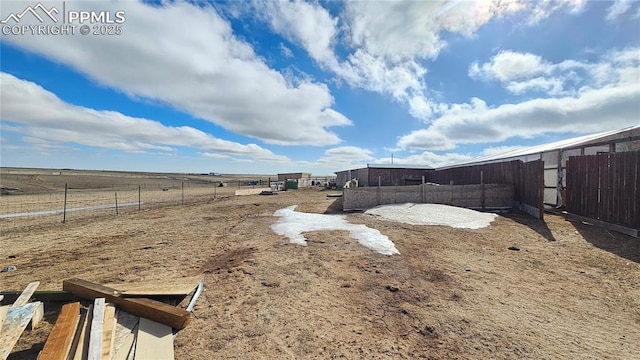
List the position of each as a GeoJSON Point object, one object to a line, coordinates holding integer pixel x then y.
{"type": "Point", "coordinates": [571, 292]}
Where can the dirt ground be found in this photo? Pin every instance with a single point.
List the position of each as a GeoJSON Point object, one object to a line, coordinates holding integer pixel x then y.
{"type": "Point", "coordinates": [571, 291]}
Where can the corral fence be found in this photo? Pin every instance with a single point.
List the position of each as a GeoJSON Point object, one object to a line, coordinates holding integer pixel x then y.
{"type": "Point", "coordinates": [482, 196]}
{"type": "Point", "coordinates": [75, 203]}
{"type": "Point", "coordinates": [523, 182]}
{"type": "Point", "coordinates": [527, 179]}
{"type": "Point", "coordinates": [606, 188]}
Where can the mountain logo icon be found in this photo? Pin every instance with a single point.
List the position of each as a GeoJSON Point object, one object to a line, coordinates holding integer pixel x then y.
{"type": "Point", "coordinates": [33, 11]}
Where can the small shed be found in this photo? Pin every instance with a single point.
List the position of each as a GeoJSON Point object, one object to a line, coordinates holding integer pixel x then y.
{"type": "Point", "coordinates": [302, 179]}
{"type": "Point", "coordinates": [384, 175]}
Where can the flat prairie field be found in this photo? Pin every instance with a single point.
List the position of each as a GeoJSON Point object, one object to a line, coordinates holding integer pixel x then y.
{"type": "Point", "coordinates": [564, 290]}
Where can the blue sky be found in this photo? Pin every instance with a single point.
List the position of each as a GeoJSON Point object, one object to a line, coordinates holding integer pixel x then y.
{"type": "Point", "coordinates": [267, 87]}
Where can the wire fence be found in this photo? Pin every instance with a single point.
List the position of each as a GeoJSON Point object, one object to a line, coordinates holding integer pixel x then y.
{"type": "Point", "coordinates": [71, 203]}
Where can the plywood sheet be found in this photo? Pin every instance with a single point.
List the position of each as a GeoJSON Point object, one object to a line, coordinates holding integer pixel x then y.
{"type": "Point", "coordinates": [175, 286]}
{"type": "Point", "coordinates": [155, 341]}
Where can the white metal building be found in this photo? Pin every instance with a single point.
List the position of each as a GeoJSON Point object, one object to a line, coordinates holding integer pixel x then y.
{"type": "Point", "coordinates": [556, 154]}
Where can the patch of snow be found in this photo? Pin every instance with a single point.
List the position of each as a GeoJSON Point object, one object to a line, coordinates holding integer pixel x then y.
{"type": "Point", "coordinates": [292, 224]}
{"type": "Point", "coordinates": [434, 214]}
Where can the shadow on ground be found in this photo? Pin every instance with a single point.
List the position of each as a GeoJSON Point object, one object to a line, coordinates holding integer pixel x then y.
{"type": "Point", "coordinates": [614, 242]}
{"type": "Point", "coordinates": [537, 225]}
{"type": "Point", "coordinates": [335, 207]}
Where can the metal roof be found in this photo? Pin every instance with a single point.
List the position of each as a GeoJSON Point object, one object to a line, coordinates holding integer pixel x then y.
{"type": "Point", "coordinates": [575, 142]}
{"type": "Point", "coordinates": [399, 166]}
{"type": "Point", "coordinates": [390, 166]}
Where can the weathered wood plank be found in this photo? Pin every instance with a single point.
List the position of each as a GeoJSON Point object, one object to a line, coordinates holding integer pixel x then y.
{"type": "Point", "coordinates": [14, 324]}
{"type": "Point", "coordinates": [44, 296]}
{"type": "Point", "coordinates": [38, 315]}
{"type": "Point", "coordinates": [108, 331]}
{"type": "Point", "coordinates": [126, 329]}
{"type": "Point", "coordinates": [61, 336]}
{"type": "Point", "coordinates": [26, 294]}
{"type": "Point", "coordinates": [155, 341]}
{"type": "Point", "coordinates": [132, 353]}
{"type": "Point", "coordinates": [3, 315]}
{"type": "Point", "coordinates": [178, 286]}
{"type": "Point", "coordinates": [124, 346]}
{"type": "Point", "coordinates": [80, 348]}
{"type": "Point", "coordinates": [95, 337]}
{"type": "Point", "coordinates": [143, 307]}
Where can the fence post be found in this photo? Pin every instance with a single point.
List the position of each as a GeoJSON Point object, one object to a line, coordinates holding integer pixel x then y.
{"type": "Point", "coordinates": [482, 185]}
{"type": "Point", "coordinates": [183, 193]}
{"type": "Point", "coordinates": [379, 193]}
{"type": "Point", "coordinates": [116, 196]}
{"type": "Point", "coordinates": [215, 190]}
{"type": "Point", "coordinates": [64, 209]}
{"type": "Point", "coordinates": [139, 198]}
{"type": "Point", "coordinates": [451, 192]}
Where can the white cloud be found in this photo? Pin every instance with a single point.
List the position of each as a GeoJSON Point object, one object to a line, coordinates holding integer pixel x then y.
{"type": "Point", "coordinates": [387, 41]}
{"type": "Point", "coordinates": [285, 51]}
{"type": "Point", "coordinates": [523, 72]}
{"type": "Point", "coordinates": [509, 66]}
{"type": "Point", "coordinates": [540, 10]}
{"type": "Point", "coordinates": [605, 96]}
{"type": "Point", "coordinates": [495, 150]}
{"type": "Point", "coordinates": [214, 155]}
{"type": "Point", "coordinates": [308, 24]}
{"type": "Point", "coordinates": [350, 157]}
{"type": "Point", "coordinates": [551, 86]}
{"type": "Point", "coordinates": [427, 158]}
{"type": "Point", "coordinates": [619, 7]}
{"type": "Point", "coordinates": [592, 110]}
{"type": "Point", "coordinates": [202, 69]}
{"type": "Point", "coordinates": [48, 122]}
{"type": "Point", "coordinates": [343, 157]}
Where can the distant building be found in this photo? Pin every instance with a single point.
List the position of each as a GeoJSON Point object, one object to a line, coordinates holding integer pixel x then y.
{"type": "Point", "coordinates": [303, 179]}
{"type": "Point", "coordinates": [385, 175]}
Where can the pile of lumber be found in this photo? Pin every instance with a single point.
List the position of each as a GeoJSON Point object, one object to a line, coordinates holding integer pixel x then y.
{"type": "Point", "coordinates": [14, 319]}
{"type": "Point", "coordinates": [104, 323]}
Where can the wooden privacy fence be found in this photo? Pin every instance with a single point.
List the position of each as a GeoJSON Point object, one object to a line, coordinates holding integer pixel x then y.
{"type": "Point", "coordinates": [527, 179]}
{"type": "Point", "coordinates": [605, 187]}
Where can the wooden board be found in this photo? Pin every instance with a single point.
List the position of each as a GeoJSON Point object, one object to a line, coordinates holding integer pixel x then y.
{"type": "Point", "coordinates": [132, 353]}
{"type": "Point", "coordinates": [108, 331]}
{"type": "Point", "coordinates": [124, 346]}
{"type": "Point", "coordinates": [3, 315]}
{"type": "Point", "coordinates": [26, 294]}
{"type": "Point", "coordinates": [38, 315]}
{"type": "Point", "coordinates": [44, 296]}
{"type": "Point", "coordinates": [126, 329]}
{"type": "Point", "coordinates": [61, 336]}
{"type": "Point", "coordinates": [143, 307]}
{"type": "Point", "coordinates": [95, 336]}
{"type": "Point", "coordinates": [178, 286]}
{"type": "Point", "coordinates": [80, 348]}
{"type": "Point", "coordinates": [155, 341]}
{"type": "Point", "coordinates": [14, 324]}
